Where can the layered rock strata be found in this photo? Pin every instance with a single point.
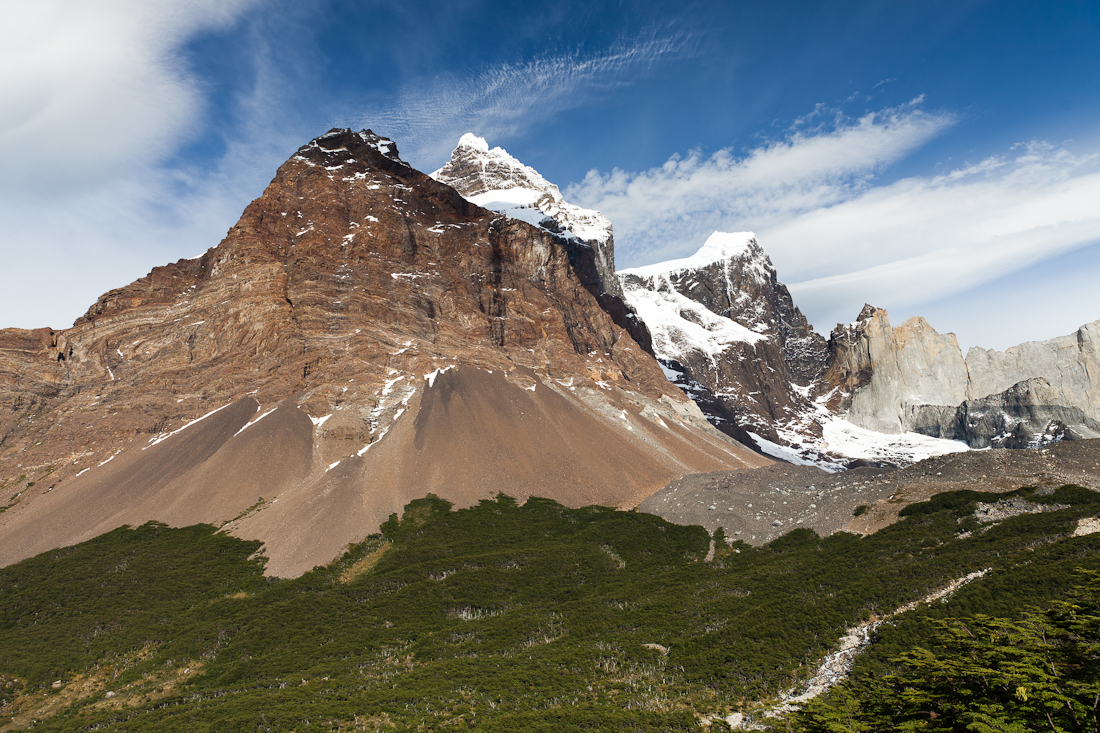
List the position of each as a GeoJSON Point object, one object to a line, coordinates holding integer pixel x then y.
{"type": "Point", "coordinates": [492, 178]}
{"type": "Point", "coordinates": [362, 336]}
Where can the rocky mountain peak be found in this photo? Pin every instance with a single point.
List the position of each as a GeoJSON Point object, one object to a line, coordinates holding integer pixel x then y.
{"type": "Point", "coordinates": [492, 178]}
{"type": "Point", "coordinates": [495, 180]}
{"type": "Point", "coordinates": [472, 141]}
{"type": "Point", "coordinates": [475, 170]}
{"type": "Point", "coordinates": [383, 145]}
{"type": "Point", "coordinates": [362, 336]}
{"type": "Point", "coordinates": [731, 276]}
{"type": "Point", "coordinates": [723, 322]}
{"type": "Point", "coordinates": [734, 252]}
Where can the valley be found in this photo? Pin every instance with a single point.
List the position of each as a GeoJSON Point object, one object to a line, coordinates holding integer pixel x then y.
{"type": "Point", "coordinates": [502, 617]}
{"type": "Point", "coordinates": [405, 452]}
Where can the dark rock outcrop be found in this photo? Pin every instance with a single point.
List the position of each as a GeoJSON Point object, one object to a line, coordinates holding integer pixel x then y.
{"type": "Point", "coordinates": [1026, 415]}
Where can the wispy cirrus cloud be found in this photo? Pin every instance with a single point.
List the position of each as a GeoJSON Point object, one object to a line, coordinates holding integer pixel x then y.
{"type": "Point", "coordinates": [429, 115]}
{"type": "Point", "coordinates": [925, 238]}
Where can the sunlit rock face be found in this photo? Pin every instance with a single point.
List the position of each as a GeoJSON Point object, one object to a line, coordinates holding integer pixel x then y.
{"type": "Point", "coordinates": [363, 336]}
{"type": "Point", "coordinates": [908, 365]}
{"type": "Point", "coordinates": [911, 378]}
{"type": "Point", "coordinates": [492, 178]}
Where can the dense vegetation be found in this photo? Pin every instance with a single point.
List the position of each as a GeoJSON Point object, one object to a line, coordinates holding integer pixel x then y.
{"type": "Point", "coordinates": [1037, 673]}
{"type": "Point", "coordinates": [498, 618]}
{"type": "Point", "coordinates": [1035, 666]}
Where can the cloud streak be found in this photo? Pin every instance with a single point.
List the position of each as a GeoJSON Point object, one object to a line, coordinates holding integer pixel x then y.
{"type": "Point", "coordinates": [837, 236]}
{"type": "Point", "coordinates": [429, 115]}
{"type": "Point", "coordinates": [668, 211]}
{"type": "Point", "coordinates": [922, 239]}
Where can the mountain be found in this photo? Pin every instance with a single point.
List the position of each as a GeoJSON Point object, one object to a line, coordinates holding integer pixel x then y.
{"type": "Point", "coordinates": [729, 331]}
{"type": "Point", "coordinates": [366, 342]}
{"type": "Point", "coordinates": [912, 378]}
{"type": "Point", "coordinates": [729, 334]}
{"type": "Point", "coordinates": [362, 337]}
{"type": "Point", "coordinates": [497, 181]}
{"type": "Point", "coordinates": [723, 321]}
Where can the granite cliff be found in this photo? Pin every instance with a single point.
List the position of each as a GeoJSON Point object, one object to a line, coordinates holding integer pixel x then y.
{"type": "Point", "coordinates": [363, 336]}
{"type": "Point", "coordinates": [912, 378]}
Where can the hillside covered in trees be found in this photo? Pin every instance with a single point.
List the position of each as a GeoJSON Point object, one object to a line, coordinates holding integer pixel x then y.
{"type": "Point", "coordinates": [505, 617]}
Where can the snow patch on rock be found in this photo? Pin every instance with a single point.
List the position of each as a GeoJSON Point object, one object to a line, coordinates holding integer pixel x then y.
{"type": "Point", "coordinates": [720, 247]}
{"type": "Point", "coordinates": [680, 325]}
{"type": "Point", "coordinates": [501, 183]}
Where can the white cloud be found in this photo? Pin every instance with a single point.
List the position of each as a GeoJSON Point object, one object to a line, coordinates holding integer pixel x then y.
{"type": "Point", "coordinates": [428, 116]}
{"type": "Point", "coordinates": [669, 211]}
{"type": "Point", "coordinates": [837, 237]}
{"type": "Point", "coordinates": [94, 97]}
{"type": "Point", "coordinates": [88, 86]}
{"type": "Point", "coordinates": [922, 239]}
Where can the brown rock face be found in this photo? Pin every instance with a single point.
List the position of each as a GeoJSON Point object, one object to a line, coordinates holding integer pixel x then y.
{"type": "Point", "coordinates": [362, 336]}
{"type": "Point", "coordinates": [849, 367]}
{"type": "Point", "coordinates": [497, 181]}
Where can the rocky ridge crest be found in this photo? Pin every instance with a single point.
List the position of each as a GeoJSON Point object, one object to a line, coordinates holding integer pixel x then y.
{"type": "Point", "coordinates": [362, 336]}
{"type": "Point", "coordinates": [492, 178]}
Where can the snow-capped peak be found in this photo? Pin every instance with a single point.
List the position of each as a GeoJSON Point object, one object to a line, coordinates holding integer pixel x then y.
{"type": "Point", "coordinates": [470, 140]}
{"type": "Point", "coordinates": [493, 179]}
{"type": "Point", "coordinates": [719, 247]}
{"type": "Point", "coordinates": [681, 325]}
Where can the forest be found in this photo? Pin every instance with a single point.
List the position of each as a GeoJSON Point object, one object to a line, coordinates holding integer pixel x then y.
{"type": "Point", "coordinates": [538, 617]}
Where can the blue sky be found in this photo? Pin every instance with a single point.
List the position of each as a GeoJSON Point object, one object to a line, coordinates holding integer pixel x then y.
{"type": "Point", "coordinates": [933, 158]}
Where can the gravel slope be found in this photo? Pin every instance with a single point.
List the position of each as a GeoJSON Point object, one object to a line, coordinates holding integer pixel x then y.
{"type": "Point", "coordinates": [759, 505]}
